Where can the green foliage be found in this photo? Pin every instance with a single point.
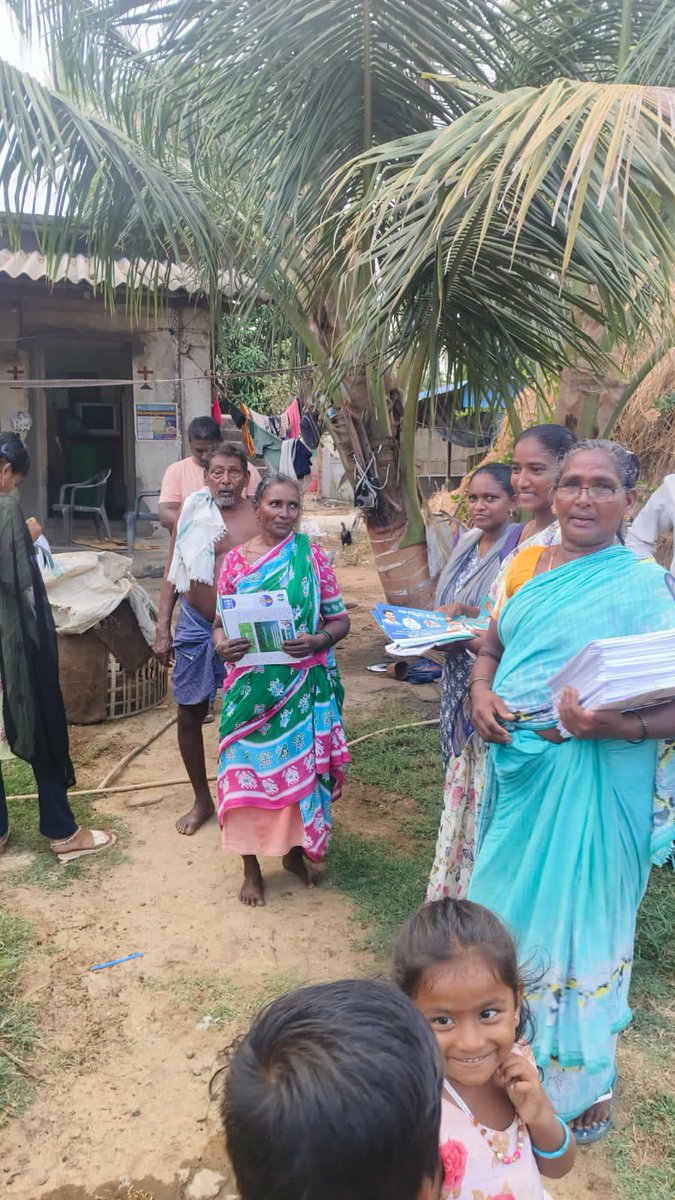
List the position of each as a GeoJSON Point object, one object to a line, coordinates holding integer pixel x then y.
{"type": "Point", "coordinates": [467, 172]}
{"type": "Point", "coordinates": [253, 342]}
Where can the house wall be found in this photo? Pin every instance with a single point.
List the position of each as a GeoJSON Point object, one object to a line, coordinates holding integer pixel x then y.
{"type": "Point", "coordinates": [180, 358]}
{"type": "Point", "coordinates": [431, 454]}
{"type": "Point", "coordinates": [175, 347]}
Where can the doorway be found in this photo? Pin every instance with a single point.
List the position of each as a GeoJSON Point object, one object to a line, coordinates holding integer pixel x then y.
{"type": "Point", "coordinates": [88, 426]}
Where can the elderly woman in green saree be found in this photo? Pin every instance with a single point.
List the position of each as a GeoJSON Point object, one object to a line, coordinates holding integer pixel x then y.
{"type": "Point", "coordinates": [282, 745]}
{"type": "Point", "coordinates": [571, 824]}
{"type": "Point", "coordinates": [32, 717]}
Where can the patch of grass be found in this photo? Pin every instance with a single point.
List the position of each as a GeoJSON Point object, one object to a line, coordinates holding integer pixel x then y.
{"type": "Point", "coordinates": [17, 1020]}
{"type": "Point", "coordinates": [219, 997]}
{"type": "Point", "coordinates": [643, 1150]}
{"type": "Point", "coordinates": [44, 870]}
{"type": "Point", "coordinates": [405, 762]}
{"type": "Point", "coordinates": [385, 885]}
{"type": "Point", "coordinates": [642, 1146]}
{"type": "Point", "coordinates": [654, 969]}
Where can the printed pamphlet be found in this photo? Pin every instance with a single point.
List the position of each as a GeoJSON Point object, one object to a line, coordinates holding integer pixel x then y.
{"type": "Point", "coordinates": [265, 619]}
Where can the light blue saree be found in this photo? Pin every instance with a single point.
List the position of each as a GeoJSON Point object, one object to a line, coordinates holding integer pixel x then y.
{"type": "Point", "coordinates": [568, 832]}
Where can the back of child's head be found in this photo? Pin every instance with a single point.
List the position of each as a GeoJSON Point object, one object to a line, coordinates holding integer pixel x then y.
{"type": "Point", "coordinates": [441, 932]}
{"type": "Point", "coordinates": [334, 1094]}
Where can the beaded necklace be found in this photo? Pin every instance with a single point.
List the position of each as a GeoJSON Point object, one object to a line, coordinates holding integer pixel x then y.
{"type": "Point", "coordinates": [505, 1159]}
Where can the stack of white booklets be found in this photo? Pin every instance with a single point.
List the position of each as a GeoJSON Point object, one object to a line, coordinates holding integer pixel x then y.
{"type": "Point", "coordinates": [623, 672]}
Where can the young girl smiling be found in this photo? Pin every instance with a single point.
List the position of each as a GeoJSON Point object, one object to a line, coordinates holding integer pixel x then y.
{"type": "Point", "coordinates": [499, 1132]}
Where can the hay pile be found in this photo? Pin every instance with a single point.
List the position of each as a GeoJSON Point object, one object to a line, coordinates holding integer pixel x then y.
{"type": "Point", "coordinates": [649, 430]}
{"type": "Point", "coordinates": [645, 427]}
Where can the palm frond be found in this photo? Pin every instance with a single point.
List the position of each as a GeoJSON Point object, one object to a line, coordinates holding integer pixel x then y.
{"type": "Point", "coordinates": [93, 182]}
{"type": "Point", "coordinates": [652, 56]}
{"type": "Point", "coordinates": [597, 159]}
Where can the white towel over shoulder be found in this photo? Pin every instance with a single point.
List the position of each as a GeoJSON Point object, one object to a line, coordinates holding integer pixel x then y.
{"type": "Point", "coordinates": [200, 527]}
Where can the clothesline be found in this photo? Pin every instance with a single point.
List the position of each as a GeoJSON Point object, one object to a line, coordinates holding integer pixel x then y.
{"type": "Point", "coordinates": [96, 383]}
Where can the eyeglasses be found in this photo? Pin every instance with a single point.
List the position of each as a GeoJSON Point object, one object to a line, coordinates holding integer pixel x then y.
{"type": "Point", "coordinates": [597, 491]}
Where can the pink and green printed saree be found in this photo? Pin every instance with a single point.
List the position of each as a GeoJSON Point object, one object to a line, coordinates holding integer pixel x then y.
{"type": "Point", "coordinates": [282, 744]}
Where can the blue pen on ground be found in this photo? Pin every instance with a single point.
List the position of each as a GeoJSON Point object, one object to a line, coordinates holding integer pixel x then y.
{"type": "Point", "coordinates": [114, 962]}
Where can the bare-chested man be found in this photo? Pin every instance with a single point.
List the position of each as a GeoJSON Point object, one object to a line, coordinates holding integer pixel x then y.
{"type": "Point", "coordinates": [210, 523]}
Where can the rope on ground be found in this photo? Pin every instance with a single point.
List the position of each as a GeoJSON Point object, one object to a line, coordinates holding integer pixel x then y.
{"type": "Point", "coordinates": [392, 729]}
{"type": "Point", "coordinates": [124, 762]}
{"type": "Point", "coordinates": [118, 789]}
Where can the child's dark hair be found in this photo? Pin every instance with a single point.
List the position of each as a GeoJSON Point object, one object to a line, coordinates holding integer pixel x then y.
{"type": "Point", "coordinates": [500, 472]}
{"type": "Point", "coordinates": [334, 1094]}
{"type": "Point", "coordinates": [440, 932]}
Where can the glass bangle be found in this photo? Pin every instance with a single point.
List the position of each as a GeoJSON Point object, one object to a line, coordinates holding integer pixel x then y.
{"type": "Point", "coordinates": [561, 1150]}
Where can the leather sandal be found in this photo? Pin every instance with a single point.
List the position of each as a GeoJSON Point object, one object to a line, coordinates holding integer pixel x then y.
{"type": "Point", "coordinates": [103, 839]}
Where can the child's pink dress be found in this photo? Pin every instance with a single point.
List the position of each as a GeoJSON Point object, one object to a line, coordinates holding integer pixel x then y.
{"type": "Point", "coordinates": [472, 1170]}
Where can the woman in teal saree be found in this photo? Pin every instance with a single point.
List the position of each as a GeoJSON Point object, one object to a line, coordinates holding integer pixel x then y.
{"type": "Point", "coordinates": [571, 824]}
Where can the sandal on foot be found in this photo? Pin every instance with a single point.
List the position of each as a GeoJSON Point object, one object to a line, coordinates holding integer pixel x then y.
{"type": "Point", "coordinates": [103, 839]}
{"type": "Point", "coordinates": [586, 1137]}
{"type": "Point", "coordinates": [3, 842]}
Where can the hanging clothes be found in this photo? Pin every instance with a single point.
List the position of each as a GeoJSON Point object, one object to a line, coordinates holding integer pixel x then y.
{"type": "Point", "coordinates": [263, 421]}
{"type": "Point", "coordinates": [302, 459]}
{"type": "Point", "coordinates": [293, 412]}
{"type": "Point", "coordinates": [286, 463]}
{"type": "Point", "coordinates": [233, 410]}
{"type": "Point", "coordinates": [266, 445]}
{"type": "Point", "coordinates": [247, 432]}
{"type": "Point", "coordinates": [216, 412]}
{"type": "Point", "coordinates": [309, 430]}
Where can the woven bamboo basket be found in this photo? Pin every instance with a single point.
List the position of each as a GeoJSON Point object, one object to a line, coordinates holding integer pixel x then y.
{"type": "Point", "coordinates": [132, 692]}
{"type": "Point", "coordinates": [96, 687]}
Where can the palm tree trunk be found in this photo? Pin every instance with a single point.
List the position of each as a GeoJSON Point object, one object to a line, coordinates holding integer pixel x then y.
{"type": "Point", "coordinates": [363, 438]}
{"type": "Point", "coordinates": [400, 561]}
{"type": "Point", "coordinates": [403, 570]}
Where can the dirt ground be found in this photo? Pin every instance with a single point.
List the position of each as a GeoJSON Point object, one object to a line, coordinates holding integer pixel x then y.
{"type": "Point", "coordinates": [122, 1105]}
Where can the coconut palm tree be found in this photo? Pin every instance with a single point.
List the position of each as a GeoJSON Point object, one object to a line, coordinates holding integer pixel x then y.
{"type": "Point", "coordinates": [412, 181]}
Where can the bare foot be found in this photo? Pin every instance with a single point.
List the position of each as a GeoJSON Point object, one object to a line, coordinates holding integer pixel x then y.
{"type": "Point", "coordinates": [294, 862]}
{"type": "Point", "coordinates": [199, 813]}
{"type": "Point", "coordinates": [596, 1115]}
{"type": "Point", "coordinates": [252, 892]}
